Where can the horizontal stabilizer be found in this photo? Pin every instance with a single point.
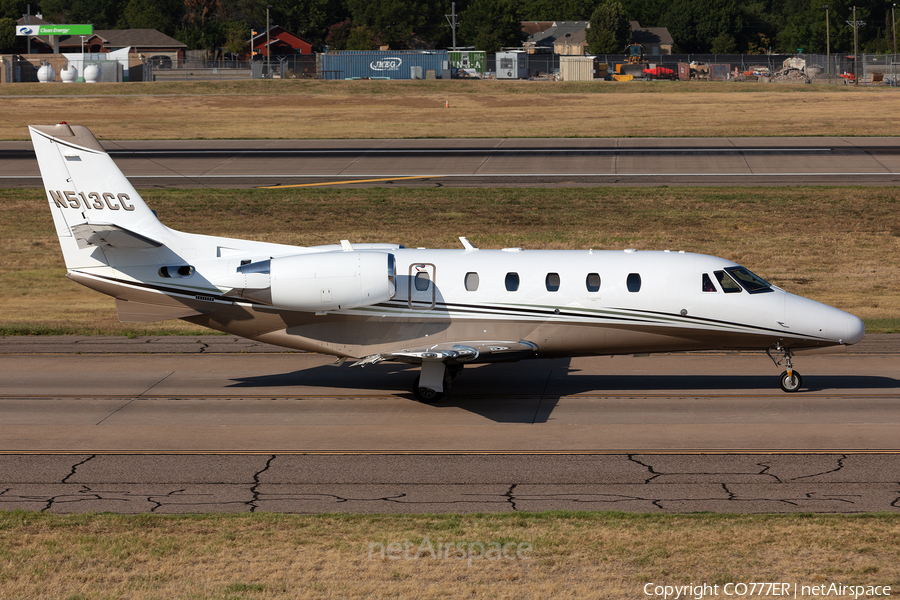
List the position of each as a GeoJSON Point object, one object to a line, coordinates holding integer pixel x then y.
{"type": "Point", "coordinates": [110, 236]}
{"type": "Point", "coordinates": [140, 312]}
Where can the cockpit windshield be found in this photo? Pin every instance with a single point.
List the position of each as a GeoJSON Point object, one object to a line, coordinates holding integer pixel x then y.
{"type": "Point", "coordinates": [751, 282]}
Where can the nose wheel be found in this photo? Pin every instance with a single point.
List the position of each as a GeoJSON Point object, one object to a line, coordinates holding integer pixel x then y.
{"type": "Point", "coordinates": [790, 380]}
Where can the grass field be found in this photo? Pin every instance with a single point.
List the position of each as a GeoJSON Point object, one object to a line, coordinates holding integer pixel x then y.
{"type": "Point", "coordinates": [416, 109]}
{"type": "Point", "coordinates": [557, 555]}
{"type": "Point", "coordinates": [840, 246]}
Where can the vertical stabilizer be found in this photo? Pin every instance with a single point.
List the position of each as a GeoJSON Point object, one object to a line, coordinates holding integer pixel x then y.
{"type": "Point", "coordinates": [85, 187]}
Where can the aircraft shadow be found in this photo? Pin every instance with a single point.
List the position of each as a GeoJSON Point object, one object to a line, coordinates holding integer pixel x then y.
{"type": "Point", "coordinates": [509, 393]}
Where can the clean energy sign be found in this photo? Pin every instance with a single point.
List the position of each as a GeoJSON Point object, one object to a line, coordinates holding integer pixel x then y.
{"type": "Point", "coordinates": [54, 29]}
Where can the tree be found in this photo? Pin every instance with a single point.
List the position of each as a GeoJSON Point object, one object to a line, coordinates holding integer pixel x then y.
{"type": "Point", "coordinates": [555, 10]}
{"type": "Point", "coordinates": [361, 38]}
{"type": "Point", "coordinates": [163, 15]}
{"type": "Point", "coordinates": [694, 24]}
{"type": "Point", "coordinates": [102, 14]}
{"type": "Point", "coordinates": [490, 25]}
{"type": "Point", "coordinates": [310, 19]}
{"type": "Point", "coordinates": [393, 22]}
{"type": "Point", "coordinates": [237, 37]}
{"type": "Point", "coordinates": [610, 30]}
{"type": "Point", "coordinates": [7, 34]}
{"type": "Point", "coordinates": [338, 34]}
{"type": "Point", "coordinates": [13, 9]}
{"type": "Point", "coordinates": [724, 44]}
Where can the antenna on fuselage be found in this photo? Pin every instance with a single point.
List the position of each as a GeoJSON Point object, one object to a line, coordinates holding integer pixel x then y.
{"type": "Point", "coordinates": [466, 243]}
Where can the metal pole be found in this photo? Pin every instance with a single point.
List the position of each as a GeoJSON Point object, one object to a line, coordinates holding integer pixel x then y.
{"type": "Point", "coordinates": [268, 48]}
{"type": "Point", "coordinates": [453, 12]}
{"type": "Point", "coordinates": [827, 45]}
{"type": "Point", "coordinates": [894, 29]}
{"type": "Point", "coordinates": [855, 50]}
{"type": "Point", "coordinates": [451, 18]}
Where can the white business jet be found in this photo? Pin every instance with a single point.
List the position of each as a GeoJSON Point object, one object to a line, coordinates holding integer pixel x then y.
{"type": "Point", "coordinates": [441, 309]}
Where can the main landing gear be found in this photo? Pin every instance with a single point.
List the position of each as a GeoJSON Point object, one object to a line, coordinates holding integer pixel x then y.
{"type": "Point", "coordinates": [436, 377]}
{"type": "Point", "coordinates": [790, 380]}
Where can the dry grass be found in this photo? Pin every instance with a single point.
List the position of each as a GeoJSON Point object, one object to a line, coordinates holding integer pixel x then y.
{"type": "Point", "coordinates": [392, 109]}
{"type": "Point", "coordinates": [840, 246]}
{"type": "Point", "coordinates": [575, 555]}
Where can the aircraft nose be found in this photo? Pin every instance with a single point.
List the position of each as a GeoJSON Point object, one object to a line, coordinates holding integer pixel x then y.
{"type": "Point", "coordinates": [808, 316]}
{"type": "Point", "coordinates": [849, 329]}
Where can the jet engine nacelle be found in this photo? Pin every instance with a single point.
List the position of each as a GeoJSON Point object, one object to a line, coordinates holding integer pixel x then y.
{"type": "Point", "coordinates": [320, 281]}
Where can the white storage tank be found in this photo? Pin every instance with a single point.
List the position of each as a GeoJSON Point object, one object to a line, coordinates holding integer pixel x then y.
{"type": "Point", "coordinates": [69, 74]}
{"type": "Point", "coordinates": [91, 74]}
{"type": "Point", "coordinates": [46, 73]}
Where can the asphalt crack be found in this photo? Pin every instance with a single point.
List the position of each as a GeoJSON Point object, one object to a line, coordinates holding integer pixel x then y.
{"type": "Point", "coordinates": [840, 466]}
{"type": "Point", "coordinates": [254, 501]}
{"type": "Point", "coordinates": [160, 504]}
{"type": "Point", "coordinates": [75, 468]}
{"type": "Point", "coordinates": [631, 457]}
{"type": "Point", "coordinates": [510, 498]}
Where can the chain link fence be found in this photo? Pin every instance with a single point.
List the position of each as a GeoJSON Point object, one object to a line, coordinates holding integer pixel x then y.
{"type": "Point", "coordinates": [873, 69]}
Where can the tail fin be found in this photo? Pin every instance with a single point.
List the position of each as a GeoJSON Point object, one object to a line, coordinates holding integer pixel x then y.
{"type": "Point", "coordinates": [92, 202]}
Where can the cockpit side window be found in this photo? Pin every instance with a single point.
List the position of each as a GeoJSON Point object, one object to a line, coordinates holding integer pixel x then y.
{"type": "Point", "coordinates": [751, 282]}
{"type": "Point", "coordinates": [708, 284]}
{"type": "Point", "coordinates": [729, 286]}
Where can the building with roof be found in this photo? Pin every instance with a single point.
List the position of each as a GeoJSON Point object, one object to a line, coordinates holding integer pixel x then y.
{"type": "Point", "coordinates": [102, 41]}
{"type": "Point", "coordinates": [655, 40]}
{"type": "Point", "coordinates": [561, 37]}
{"type": "Point", "coordinates": [278, 42]}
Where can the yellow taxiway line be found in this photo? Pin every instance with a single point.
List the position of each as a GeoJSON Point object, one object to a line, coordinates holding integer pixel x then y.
{"type": "Point", "coordinates": [275, 187]}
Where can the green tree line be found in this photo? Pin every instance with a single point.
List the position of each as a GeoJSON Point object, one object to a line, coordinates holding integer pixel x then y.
{"type": "Point", "coordinates": [697, 26]}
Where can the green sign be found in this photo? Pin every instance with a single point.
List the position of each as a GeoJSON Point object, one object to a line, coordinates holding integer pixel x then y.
{"type": "Point", "coordinates": [54, 29]}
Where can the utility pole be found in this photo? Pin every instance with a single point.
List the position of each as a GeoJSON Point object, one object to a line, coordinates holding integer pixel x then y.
{"type": "Point", "coordinates": [268, 47]}
{"type": "Point", "coordinates": [894, 28]}
{"type": "Point", "coordinates": [856, 25]}
{"type": "Point", "coordinates": [827, 44]}
{"type": "Point", "coordinates": [855, 49]}
{"type": "Point", "coordinates": [451, 18]}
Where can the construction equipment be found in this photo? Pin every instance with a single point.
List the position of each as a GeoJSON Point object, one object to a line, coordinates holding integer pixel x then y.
{"type": "Point", "coordinates": [635, 63]}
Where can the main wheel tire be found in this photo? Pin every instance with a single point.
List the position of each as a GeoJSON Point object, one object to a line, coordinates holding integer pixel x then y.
{"type": "Point", "coordinates": [426, 395]}
{"type": "Point", "coordinates": [792, 383]}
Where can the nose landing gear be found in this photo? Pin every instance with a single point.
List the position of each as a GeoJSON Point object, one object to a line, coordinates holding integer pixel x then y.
{"type": "Point", "coordinates": [790, 380]}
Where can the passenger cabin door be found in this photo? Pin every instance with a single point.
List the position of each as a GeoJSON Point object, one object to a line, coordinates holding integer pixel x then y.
{"type": "Point", "coordinates": [422, 290]}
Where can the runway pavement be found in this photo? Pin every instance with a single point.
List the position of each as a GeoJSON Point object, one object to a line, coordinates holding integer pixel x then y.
{"type": "Point", "coordinates": [218, 424]}
{"type": "Point", "coordinates": [213, 430]}
{"type": "Point", "coordinates": [536, 162]}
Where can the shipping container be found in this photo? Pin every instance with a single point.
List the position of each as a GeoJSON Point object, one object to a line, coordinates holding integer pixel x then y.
{"type": "Point", "coordinates": [385, 65]}
{"type": "Point", "coordinates": [467, 64]}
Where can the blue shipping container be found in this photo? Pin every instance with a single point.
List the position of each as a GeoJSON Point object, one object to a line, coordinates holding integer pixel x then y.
{"type": "Point", "coordinates": [384, 64]}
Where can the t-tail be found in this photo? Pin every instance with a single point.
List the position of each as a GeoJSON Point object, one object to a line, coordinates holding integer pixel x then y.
{"type": "Point", "coordinates": [92, 202]}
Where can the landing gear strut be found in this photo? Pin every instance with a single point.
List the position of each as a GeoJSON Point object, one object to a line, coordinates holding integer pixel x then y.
{"type": "Point", "coordinates": [790, 380]}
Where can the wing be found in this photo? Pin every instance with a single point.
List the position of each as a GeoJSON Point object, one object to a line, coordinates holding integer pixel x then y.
{"type": "Point", "coordinates": [457, 353]}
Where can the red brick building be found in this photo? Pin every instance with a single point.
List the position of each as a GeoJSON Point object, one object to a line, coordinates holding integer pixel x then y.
{"type": "Point", "coordinates": [281, 42]}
